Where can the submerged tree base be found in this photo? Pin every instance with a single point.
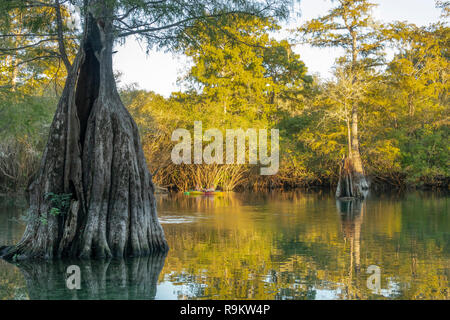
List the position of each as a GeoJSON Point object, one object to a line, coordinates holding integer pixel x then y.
{"type": "Point", "coordinates": [352, 182]}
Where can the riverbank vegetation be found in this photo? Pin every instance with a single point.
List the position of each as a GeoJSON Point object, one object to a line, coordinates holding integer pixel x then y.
{"type": "Point", "coordinates": [259, 81]}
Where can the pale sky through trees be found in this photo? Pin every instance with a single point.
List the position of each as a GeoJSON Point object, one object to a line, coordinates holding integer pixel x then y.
{"type": "Point", "coordinates": [159, 71]}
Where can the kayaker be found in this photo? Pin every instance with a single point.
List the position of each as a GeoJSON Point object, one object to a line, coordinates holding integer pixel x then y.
{"type": "Point", "coordinates": [211, 189]}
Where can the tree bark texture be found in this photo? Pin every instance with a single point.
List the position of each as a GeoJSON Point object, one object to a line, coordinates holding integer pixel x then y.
{"type": "Point", "coordinates": [352, 181]}
{"type": "Point", "coordinates": [93, 153]}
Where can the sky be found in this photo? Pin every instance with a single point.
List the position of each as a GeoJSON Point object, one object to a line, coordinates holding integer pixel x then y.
{"type": "Point", "coordinates": [158, 71]}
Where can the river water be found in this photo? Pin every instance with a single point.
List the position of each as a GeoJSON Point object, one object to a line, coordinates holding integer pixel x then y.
{"type": "Point", "coordinates": [280, 245]}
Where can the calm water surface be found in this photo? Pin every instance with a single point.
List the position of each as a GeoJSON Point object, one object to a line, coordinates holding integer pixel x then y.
{"type": "Point", "coordinates": [282, 245]}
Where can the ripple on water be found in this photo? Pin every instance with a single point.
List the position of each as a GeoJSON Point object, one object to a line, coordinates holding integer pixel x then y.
{"type": "Point", "coordinates": [177, 220]}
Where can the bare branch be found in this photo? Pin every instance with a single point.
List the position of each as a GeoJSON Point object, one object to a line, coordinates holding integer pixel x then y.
{"type": "Point", "coordinates": [181, 22]}
{"type": "Point", "coordinates": [62, 48]}
{"type": "Point", "coordinates": [25, 47]}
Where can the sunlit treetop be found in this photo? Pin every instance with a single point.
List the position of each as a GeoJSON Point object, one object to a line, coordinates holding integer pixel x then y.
{"type": "Point", "coordinates": [47, 25]}
{"type": "Point", "coordinates": [444, 6]}
{"type": "Point", "coordinates": [349, 25]}
{"type": "Point", "coordinates": [244, 70]}
{"type": "Point", "coordinates": [45, 29]}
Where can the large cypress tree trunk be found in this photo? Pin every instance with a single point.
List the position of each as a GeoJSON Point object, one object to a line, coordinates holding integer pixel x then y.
{"type": "Point", "coordinates": [352, 180]}
{"type": "Point", "coordinates": [93, 153]}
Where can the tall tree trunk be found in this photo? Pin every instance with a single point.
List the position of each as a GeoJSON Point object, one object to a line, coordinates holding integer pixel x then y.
{"type": "Point", "coordinates": [355, 155]}
{"type": "Point", "coordinates": [349, 137]}
{"type": "Point", "coordinates": [93, 153]}
{"type": "Point", "coordinates": [352, 181]}
{"type": "Point", "coordinates": [352, 217]}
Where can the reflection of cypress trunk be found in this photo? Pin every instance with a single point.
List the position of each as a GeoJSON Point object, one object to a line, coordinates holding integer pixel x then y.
{"type": "Point", "coordinates": [94, 153]}
{"type": "Point", "coordinates": [352, 215]}
{"type": "Point", "coordinates": [134, 278]}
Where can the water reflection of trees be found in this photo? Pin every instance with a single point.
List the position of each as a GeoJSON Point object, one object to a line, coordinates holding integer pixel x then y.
{"type": "Point", "coordinates": [132, 278]}
{"type": "Point", "coordinates": [295, 245]}
{"type": "Point", "coordinates": [243, 254]}
{"type": "Point", "coordinates": [352, 216]}
{"type": "Point", "coordinates": [292, 246]}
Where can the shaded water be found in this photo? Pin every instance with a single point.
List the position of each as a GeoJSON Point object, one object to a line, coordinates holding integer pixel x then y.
{"type": "Point", "coordinates": [282, 245]}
